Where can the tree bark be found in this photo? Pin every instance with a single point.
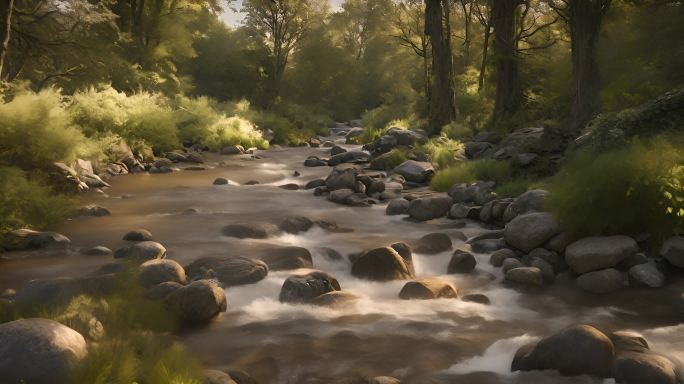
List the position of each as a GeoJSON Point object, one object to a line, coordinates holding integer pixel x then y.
{"type": "Point", "coordinates": [6, 8]}
{"type": "Point", "coordinates": [506, 55]}
{"type": "Point", "coordinates": [442, 107]}
{"type": "Point", "coordinates": [483, 64]}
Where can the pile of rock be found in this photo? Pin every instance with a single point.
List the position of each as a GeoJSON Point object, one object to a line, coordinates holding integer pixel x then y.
{"type": "Point", "coordinates": [396, 138]}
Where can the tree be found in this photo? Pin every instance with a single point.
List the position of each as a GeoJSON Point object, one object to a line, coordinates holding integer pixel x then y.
{"type": "Point", "coordinates": [442, 106]}
{"type": "Point", "coordinates": [584, 18]}
{"type": "Point", "coordinates": [485, 19]}
{"type": "Point", "coordinates": [282, 24]}
{"type": "Point", "coordinates": [6, 8]}
{"type": "Point", "coordinates": [359, 21]}
{"type": "Point", "coordinates": [506, 56]}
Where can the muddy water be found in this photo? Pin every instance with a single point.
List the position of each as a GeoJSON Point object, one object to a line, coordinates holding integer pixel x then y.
{"type": "Point", "coordinates": [440, 341]}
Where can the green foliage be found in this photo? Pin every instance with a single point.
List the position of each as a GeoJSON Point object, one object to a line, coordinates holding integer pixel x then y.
{"type": "Point", "coordinates": [394, 158]}
{"type": "Point", "coordinates": [28, 203]}
{"type": "Point", "coordinates": [36, 130]}
{"type": "Point", "coordinates": [444, 151]}
{"type": "Point", "coordinates": [471, 171]}
{"type": "Point", "coordinates": [624, 191]}
{"type": "Point", "coordinates": [514, 188]}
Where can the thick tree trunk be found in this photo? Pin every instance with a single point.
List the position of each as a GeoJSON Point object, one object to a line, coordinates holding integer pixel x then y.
{"type": "Point", "coordinates": [6, 7]}
{"type": "Point", "coordinates": [506, 56]}
{"type": "Point", "coordinates": [442, 107]}
{"type": "Point", "coordinates": [585, 17]}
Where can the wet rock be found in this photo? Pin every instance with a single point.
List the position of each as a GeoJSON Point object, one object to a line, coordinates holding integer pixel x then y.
{"type": "Point", "coordinates": [497, 258]}
{"type": "Point", "coordinates": [673, 251]}
{"type": "Point", "coordinates": [646, 275]}
{"type": "Point", "coordinates": [161, 291]}
{"type": "Point", "coordinates": [336, 150]}
{"type": "Point", "coordinates": [476, 298]}
{"type": "Point", "coordinates": [98, 251]}
{"type": "Point", "coordinates": [289, 187]}
{"type": "Point", "coordinates": [38, 351]}
{"type": "Point", "coordinates": [415, 171]}
{"type": "Point", "coordinates": [93, 210]}
{"type": "Point", "coordinates": [530, 201]}
{"type": "Point", "coordinates": [212, 376]}
{"type": "Point", "coordinates": [249, 231]}
{"type": "Point", "coordinates": [198, 301]}
{"type": "Point", "coordinates": [61, 290]}
{"type": "Point", "coordinates": [460, 211]}
{"type": "Point", "coordinates": [22, 239]}
{"type": "Point", "coordinates": [477, 193]}
{"type": "Point", "coordinates": [428, 289]}
{"type": "Point", "coordinates": [154, 272]}
{"type": "Point", "coordinates": [176, 157]}
{"type": "Point", "coordinates": [430, 207]}
{"type": "Point", "coordinates": [306, 287]}
{"type": "Point", "coordinates": [314, 184]}
{"type": "Point", "coordinates": [220, 181]}
{"type": "Point", "coordinates": [633, 260]}
{"type": "Point", "coordinates": [233, 150]}
{"type": "Point", "coordinates": [329, 253]}
{"type": "Point", "coordinates": [548, 273]}
{"type": "Point", "coordinates": [557, 262]}
{"type": "Point", "coordinates": [532, 230]}
{"type": "Point", "coordinates": [251, 182]}
{"type": "Point", "coordinates": [344, 178]}
{"type": "Point", "coordinates": [525, 275]}
{"type": "Point", "coordinates": [594, 253]}
{"type": "Point", "coordinates": [511, 263]}
{"type": "Point", "coordinates": [142, 251]}
{"type": "Point", "coordinates": [461, 262]}
{"type": "Point", "coordinates": [433, 243]}
{"type": "Point", "coordinates": [638, 367]}
{"type": "Point", "coordinates": [287, 258]}
{"type": "Point", "coordinates": [340, 196]}
{"type": "Point", "coordinates": [349, 157]}
{"type": "Point", "coordinates": [404, 250]}
{"type": "Point", "coordinates": [138, 235]}
{"type": "Point", "coordinates": [163, 163]}
{"type": "Point", "coordinates": [296, 224]}
{"type": "Point", "coordinates": [230, 271]}
{"type": "Point", "coordinates": [397, 207]}
{"type": "Point", "coordinates": [335, 299]}
{"type": "Point", "coordinates": [381, 264]}
{"type": "Point", "coordinates": [603, 281]}
{"type": "Point", "coordinates": [577, 350]}
{"type": "Point", "coordinates": [559, 243]}
{"type": "Point", "coordinates": [315, 162]}
{"type": "Point", "coordinates": [195, 157]}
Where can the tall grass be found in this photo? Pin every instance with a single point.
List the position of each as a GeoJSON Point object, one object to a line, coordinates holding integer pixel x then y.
{"type": "Point", "coordinates": [471, 171]}
{"type": "Point", "coordinates": [444, 151]}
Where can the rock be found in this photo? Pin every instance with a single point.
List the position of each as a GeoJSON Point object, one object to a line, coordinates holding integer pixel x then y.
{"type": "Point", "coordinates": [161, 291]}
{"type": "Point", "coordinates": [287, 258]}
{"type": "Point", "coordinates": [314, 142]}
{"type": "Point", "coordinates": [594, 253]}
{"type": "Point", "coordinates": [530, 201]}
{"type": "Point", "coordinates": [176, 157]}
{"type": "Point", "coordinates": [233, 150]}
{"type": "Point", "coordinates": [487, 245]}
{"type": "Point", "coordinates": [94, 181]}
{"type": "Point", "coordinates": [557, 262]}
{"type": "Point", "coordinates": [633, 260]}
{"type": "Point", "coordinates": [344, 178]}
{"type": "Point", "coordinates": [646, 275]}
{"type": "Point", "coordinates": [340, 196]}
{"type": "Point", "coordinates": [289, 187]}
{"type": "Point", "coordinates": [430, 207]}
{"type": "Point", "coordinates": [404, 250]}
{"type": "Point", "coordinates": [320, 191]}
{"type": "Point", "coordinates": [349, 157]}
{"type": "Point", "coordinates": [497, 258]}
{"type": "Point", "coordinates": [251, 182]}
{"type": "Point", "coordinates": [577, 350]}
{"type": "Point", "coordinates": [145, 250]}
{"type": "Point", "coordinates": [306, 287]}
{"type": "Point", "coordinates": [525, 159]}
{"type": "Point", "coordinates": [38, 351]}
{"type": "Point", "coordinates": [353, 133]}
{"type": "Point", "coordinates": [65, 179]}
{"type": "Point", "coordinates": [417, 172]}
{"type": "Point", "coordinates": [335, 299]}
{"type": "Point", "coordinates": [384, 380]}
{"type": "Point", "coordinates": [525, 275]}
{"type": "Point", "coordinates": [637, 368]}
{"type": "Point", "coordinates": [559, 243]}
{"type": "Point", "coordinates": [230, 271]}
{"type": "Point", "coordinates": [381, 264]}
{"type": "Point", "coordinates": [460, 211]}
{"type": "Point", "coordinates": [163, 163]}
{"type": "Point", "coordinates": [22, 239]}
{"type": "Point", "coordinates": [314, 184]}
{"type": "Point", "coordinates": [475, 149]}
{"type": "Point", "coordinates": [548, 273]}
{"type": "Point", "coordinates": [195, 157]}
{"type": "Point", "coordinates": [461, 262]}
{"type": "Point", "coordinates": [59, 291]}
{"type": "Point", "coordinates": [98, 251]}
{"type": "Point", "coordinates": [296, 224]}
{"type": "Point", "coordinates": [673, 251]}
{"type": "Point", "coordinates": [428, 289]}
{"type": "Point", "coordinates": [212, 376]}
{"type": "Point", "coordinates": [477, 193]}
{"type": "Point", "coordinates": [603, 281]}
{"type": "Point", "coordinates": [138, 235]}
{"type": "Point", "coordinates": [336, 150]}
{"type": "Point", "coordinates": [220, 181]}
{"type": "Point", "coordinates": [433, 243]}
{"type": "Point", "coordinates": [93, 210]}
{"type": "Point", "coordinates": [154, 272]}
{"type": "Point", "coordinates": [249, 231]}
{"type": "Point", "coordinates": [476, 298]}
{"type": "Point", "coordinates": [532, 230]}
{"type": "Point", "coordinates": [198, 301]}
{"type": "Point", "coordinates": [511, 263]}
{"type": "Point", "coordinates": [315, 162]}
{"type": "Point", "coordinates": [397, 207]}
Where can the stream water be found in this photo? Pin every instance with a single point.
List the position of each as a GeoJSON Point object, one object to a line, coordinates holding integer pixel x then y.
{"type": "Point", "coordinates": [432, 341]}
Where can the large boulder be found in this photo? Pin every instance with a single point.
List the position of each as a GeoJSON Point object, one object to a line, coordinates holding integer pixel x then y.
{"type": "Point", "coordinates": [576, 350]}
{"type": "Point", "coordinates": [287, 258]}
{"type": "Point", "coordinates": [646, 275]}
{"type": "Point", "coordinates": [57, 291]}
{"type": "Point", "coordinates": [603, 281]}
{"type": "Point", "coordinates": [198, 301]}
{"type": "Point", "coordinates": [157, 271]}
{"type": "Point", "coordinates": [415, 171]}
{"type": "Point", "coordinates": [22, 239]}
{"type": "Point", "coordinates": [537, 140]}
{"type": "Point", "coordinates": [594, 253]}
{"type": "Point", "coordinates": [381, 264]}
{"type": "Point", "coordinates": [341, 178]}
{"type": "Point", "coordinates": [530, 201]}
{"type": "Point", "coordinates": [230, 271]}
{"type": "Point", "coordinates": [249, 231]}
{"type": "Point", "coordinates": [673, 251]}
{"type": "Point", "coordinates": [529, 231]}
{"type": "Point", "coordinates": [303, 288]}
{"type": "Point", "coordinates": [430, 207]}
{"type": "Point", "coordinates": [398, 206]}
{"type": "Point", "coordinates": [38, 351]}
{"type": "Point", "coordinates": [142, 251]}
{"type": "Point", "coordinates": [433, 243]}
{"type": "Point", "coordinates": [427, 289]}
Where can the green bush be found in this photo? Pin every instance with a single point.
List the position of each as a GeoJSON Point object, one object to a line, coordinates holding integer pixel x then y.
{"type": "Point", "coordinates": [625, 191]}
{"type": "Point", "coordinates": [444, 151]}
{"type": "Point", "coordinates": [471, 171]}
{"type": "Point", "coordinates": [514, 188]}
{"type": "Point", "coordinates": [36, 130]}
{"type": "Point", "coordinates": [394, 158]}
{"type": "Point", "coordinates": [28, 203]}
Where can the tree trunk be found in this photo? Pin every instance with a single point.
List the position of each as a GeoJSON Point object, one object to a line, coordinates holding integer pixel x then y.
{"type": "Point", "coordinates": [483, 64]}
{"type": "Point", "coordinates": [585, 17]}
{"type": "Point", "coordinates": [506, 56]}
{"type": "Point", "coordinates": [138, 12]}
{"type": "Point", "coordinates": [6, 7]}
{"type": "Point", "coordinates": [467, 41]}
{"type": "Point", "coordinates": [442, 107]}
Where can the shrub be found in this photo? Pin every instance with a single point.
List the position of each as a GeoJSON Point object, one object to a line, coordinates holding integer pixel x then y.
{"type": "Point", "coordinates": [444, 151]}
{"type": "Point", "coordinates": [514, 188]}
{"type": "Point", "coordinates": [471, 171]}
{"type": "Point", "coordinates": [28, 203]}
{"type": "Point", "coordinates": [395, 158]}
{"type": "Point", "coordinates": [625, 191]}
{"type": "Point", "coordinates": [35, 131]}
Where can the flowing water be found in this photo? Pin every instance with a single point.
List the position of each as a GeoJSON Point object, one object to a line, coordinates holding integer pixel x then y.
{"type": "Point", "coordinates": [433, 341]}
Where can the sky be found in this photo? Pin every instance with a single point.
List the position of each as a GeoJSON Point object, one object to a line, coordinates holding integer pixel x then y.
{"type": "Point", "coordinates": [234, 18]}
